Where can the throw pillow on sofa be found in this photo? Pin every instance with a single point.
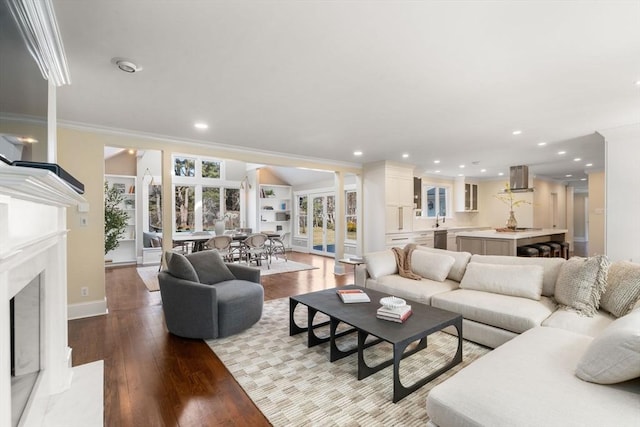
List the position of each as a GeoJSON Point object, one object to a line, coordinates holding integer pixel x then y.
{"type": "Point", "coordinates": [614, 355]}
{"type": "Point", "coordinates": [382, 263]}
{"type": "Point", "coordinates": [515, 280]}
{"type": "Point", "coordinates": [462, 259]}
{"type": "Point", "coordinates": [431, 265]}
{"type": "Point", "coordinates": [623, 288]}
{"type": "Point", "coordinates": [581, 282]}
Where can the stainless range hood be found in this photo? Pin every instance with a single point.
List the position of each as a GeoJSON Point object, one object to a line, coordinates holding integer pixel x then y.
{"type": "Point", "coordinates": [519, 178]}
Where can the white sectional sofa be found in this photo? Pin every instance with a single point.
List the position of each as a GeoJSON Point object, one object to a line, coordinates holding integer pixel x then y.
{"type": "Point", "coordinates": [509, 304]}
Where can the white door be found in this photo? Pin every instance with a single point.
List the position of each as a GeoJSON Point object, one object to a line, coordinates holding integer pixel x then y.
{"type": "Point", "coordinates": [323, 241]}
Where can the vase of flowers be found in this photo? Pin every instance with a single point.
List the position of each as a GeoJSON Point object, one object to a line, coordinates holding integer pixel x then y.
{"type": "Point", "coordinates": [508, 198]}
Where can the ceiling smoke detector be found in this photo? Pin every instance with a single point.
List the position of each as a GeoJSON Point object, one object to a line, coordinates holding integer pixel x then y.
{"type": "Point", "coordinates": [126, 65]}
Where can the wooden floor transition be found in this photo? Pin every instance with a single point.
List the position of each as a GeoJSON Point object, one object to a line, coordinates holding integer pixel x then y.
{"type": "Point", "coordinates": [153, 378]}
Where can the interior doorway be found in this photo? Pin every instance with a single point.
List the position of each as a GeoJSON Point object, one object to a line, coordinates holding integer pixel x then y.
{"type": "Point", "coordinates": [322, 214]}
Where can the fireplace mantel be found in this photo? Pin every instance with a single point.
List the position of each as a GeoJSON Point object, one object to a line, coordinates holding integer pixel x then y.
{"type": "Point", "coordinates": [33, 242]}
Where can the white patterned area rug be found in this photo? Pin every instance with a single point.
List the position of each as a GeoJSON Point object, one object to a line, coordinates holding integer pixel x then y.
{"type": "Point", "coordinates": [149, 275]}
{"type": "Point", "coordinates": [296, 385]}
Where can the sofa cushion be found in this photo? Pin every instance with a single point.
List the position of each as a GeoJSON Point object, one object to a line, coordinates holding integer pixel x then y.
{"type": "Point", "coordinates": [623, 288]}
{"type": "Point", "coordinates": [530, 381]}
{"type": "Point", "coordinates": [431, 265]}
{"type": "Point", "coordinates": [460, 264]}
{"type": "Point", "coordinates": [514, 314]}
{"type": "Point", "coordinates": [574, 322]}
{"type": "Point", "coordinates": [179, 266]}
{"type": "Point", "coordinates": [381, 263]}
{"type": "Point", "coordinates": [515, 280]}
{"type": "Point", "coordinates": [614, 355]}
{"type": "Point", "coordinates": [581, 283]}
{"type": "Point", "coordinates": [551, 267]}
{"type": "Point", "coordinates": [416, 290]}
{"type": "Point", "coordinates": [210, 267]}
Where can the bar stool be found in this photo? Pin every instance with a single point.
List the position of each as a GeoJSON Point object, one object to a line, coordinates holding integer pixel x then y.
{"type": "Point", "coordinates": [556, 249]}
{"type": "Point", "coordinates": [565, 249]}
{"type": "Point", "coordinates": [545, 251]}
{"type": "Point", "coordinates": [527, 251]}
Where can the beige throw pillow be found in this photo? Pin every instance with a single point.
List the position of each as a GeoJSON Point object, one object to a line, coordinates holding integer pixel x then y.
{"type": "Point", "coordinates": [623, 288]}
{"type": "Point", "coordinates": [515, 280]}
{"type": "Point", "coordinates": [431, 265]}
{"type": "Point", "coordinates": [580, 284]}
{"type": "Point", "coordinates": [462, 259]}
{"type": "Point", "coordinates": [614, 355]}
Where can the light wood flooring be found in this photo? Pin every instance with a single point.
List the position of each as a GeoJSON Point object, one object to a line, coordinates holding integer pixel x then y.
{"type": "Point", "coordinates": [153, 378]}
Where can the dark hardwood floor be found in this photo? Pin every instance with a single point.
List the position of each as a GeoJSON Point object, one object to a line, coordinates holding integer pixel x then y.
{"type": "Point", "coordinates": [153, 378]}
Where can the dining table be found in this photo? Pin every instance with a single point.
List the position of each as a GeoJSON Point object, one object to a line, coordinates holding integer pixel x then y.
{"type": "Point", "coordinates": [198, 240]}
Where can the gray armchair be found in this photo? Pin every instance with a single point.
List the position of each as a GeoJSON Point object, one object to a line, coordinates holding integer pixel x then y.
{"type": "Point", "coordinates": [203, 297]}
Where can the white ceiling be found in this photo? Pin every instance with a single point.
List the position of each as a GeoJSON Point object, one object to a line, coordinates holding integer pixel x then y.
{"type": "Point", "coordinates": [438, 80]}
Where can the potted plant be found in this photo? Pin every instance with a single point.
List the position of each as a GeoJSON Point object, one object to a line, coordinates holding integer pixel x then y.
{"type": "Point", "coordinates": [509, 199]}
{"type": "Point", "coordinates": [115, 218]}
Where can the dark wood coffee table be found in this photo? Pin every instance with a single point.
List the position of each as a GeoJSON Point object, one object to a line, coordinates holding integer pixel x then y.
{"type": "Point", "coordinates": [424, 321]}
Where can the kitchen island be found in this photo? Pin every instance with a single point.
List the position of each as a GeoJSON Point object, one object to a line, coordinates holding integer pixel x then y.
{"type": "Point", "coordinates": [492, 242]}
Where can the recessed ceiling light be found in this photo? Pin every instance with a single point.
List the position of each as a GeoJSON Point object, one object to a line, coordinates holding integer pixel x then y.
{"type": "Point", "coordinates": [126, 65]}
{"type": "Point", "coordinates": [131, 151]}
{"type": "Point", "coordinates": [405, 156]}
{"type": "Point", "coordinates": [542, 144]}
{"type": "Point", "coordinates": [501, 173]}
{"type": "Point", "coordinates": [436, 161]}
{"type": "Point", "coordinates": [516, 132]}
{"type": "Point", "coordinates": [357, 153]}
{"type": "Point", "coordinates": [460, 174]}
{"type": "Point", "coordinates": [589, 165]}
{"type": "Point", "coordinates": [483, 170]}
{"type": "Point", "coordinates": [562, 152]}
{"type": "Point", "coordinates": [577, 159]}
{"type": "Point", "coordinates": [201, 125]}
{"type": "Point", "coordinates": [461, 166]}
{"type": "Point", "coordinates": [568, 175]}
{"type": "Point", "coordinates": [637, 82]}
{"type": "Point", "coordinates": [583, 179]}
{"type": "Point", "coordinates": [437, 171]}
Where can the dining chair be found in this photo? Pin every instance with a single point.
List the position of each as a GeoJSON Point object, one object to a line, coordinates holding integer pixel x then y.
{"type": "Point", "coordinates": [255, 250]}
{"type": "Point", "coordinates": [222, 244]}
{"type": "Point", "coordinates": [198, 245]}
{"type": "Point", "coordinates": [277, 245]}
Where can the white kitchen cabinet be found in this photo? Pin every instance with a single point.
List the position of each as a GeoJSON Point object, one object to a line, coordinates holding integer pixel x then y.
{"type": "Point", "coordinates": [466, 196]}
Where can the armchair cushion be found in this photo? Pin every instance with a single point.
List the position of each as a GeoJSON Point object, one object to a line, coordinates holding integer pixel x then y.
{"type": "Point", "coordinates": [179, 266]}
{"type": "Point", "coordinates": [210, 267]}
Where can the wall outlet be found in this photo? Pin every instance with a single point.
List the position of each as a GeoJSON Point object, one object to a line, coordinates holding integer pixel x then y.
{"type": "Point", "coordinates": [84, 291]}
{"type": "Point", "coordinates": [84, 221]}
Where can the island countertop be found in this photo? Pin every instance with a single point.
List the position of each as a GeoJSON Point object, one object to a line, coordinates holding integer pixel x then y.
{"type": "Point", "coordinates": [512, 235]}
{"type": "Point", "coordinates": [492, 242]}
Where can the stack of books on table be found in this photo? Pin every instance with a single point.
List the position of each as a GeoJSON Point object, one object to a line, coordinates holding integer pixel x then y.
{"type": "Point", "coordinates": [398, 314]}
{"type": "Point", "coordinates": [349, 296]}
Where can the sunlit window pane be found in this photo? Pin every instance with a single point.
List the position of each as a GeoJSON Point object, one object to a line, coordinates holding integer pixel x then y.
{"type": "Point", "coordinates": [210, 169]}
{"type": "Point", "coordinates": [184, 207]}
{"type": "Point", "coordinates": [210, 207]}
{"type": "Point", "coordinates": [184, 166]}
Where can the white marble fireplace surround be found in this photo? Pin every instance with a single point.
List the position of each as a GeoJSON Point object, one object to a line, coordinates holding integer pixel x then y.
{"type": "Point", "coordinates": [33, 242]}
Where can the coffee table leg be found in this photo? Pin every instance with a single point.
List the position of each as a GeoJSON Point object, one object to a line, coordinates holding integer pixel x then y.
{"type": "Point", "coordinates": [400, 391]}
{"type": "Point", "coordinates": [293, 326]}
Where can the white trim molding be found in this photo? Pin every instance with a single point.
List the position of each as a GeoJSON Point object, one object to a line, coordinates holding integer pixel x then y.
{"type": "Point", "coordinates": [87, 309]}
{"type": "Point", "coordinates": [38, 26]}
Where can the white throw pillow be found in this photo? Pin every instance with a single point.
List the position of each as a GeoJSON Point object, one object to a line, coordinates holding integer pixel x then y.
{"type": "Point", "coordinates": [515, 280]}
{"type": "Point", "coordinates": [431, 265]}
{"type": "Point", "coordinates": [381, 263]}
{"type": "Point", "coordinates": [460, 264]}
{"type": "Point", "coordinates": [614, 355]}
{"type": "Point", "coordinates": [581, 282]}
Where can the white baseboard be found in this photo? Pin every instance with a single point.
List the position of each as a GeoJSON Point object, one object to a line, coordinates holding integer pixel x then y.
{"type": "Point", "coordinates": [87, 309]}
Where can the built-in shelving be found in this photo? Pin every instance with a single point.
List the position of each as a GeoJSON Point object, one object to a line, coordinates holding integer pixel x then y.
{"type": "Point", "coordinates": [274, 208]}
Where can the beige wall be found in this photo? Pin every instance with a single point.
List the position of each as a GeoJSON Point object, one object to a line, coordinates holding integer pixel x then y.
{"type": "Point", "coordinates": [494, 213]}
{"type": "Point", "coordinates": [123, 163]}
{"type": "Point", "coordinates": [81, 152]}
{"type": "Point", "coordinates": [596, 213]}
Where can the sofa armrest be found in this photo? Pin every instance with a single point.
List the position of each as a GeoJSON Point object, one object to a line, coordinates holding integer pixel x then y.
{"type": "Point", "coordinates": [244, 272]}
{"type": "Point", "coordinates": [190, 308]}
{"type": "Point", "coordinates": [361, 275]}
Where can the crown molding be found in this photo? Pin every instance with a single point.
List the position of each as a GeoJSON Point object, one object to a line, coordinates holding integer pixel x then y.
{"type": "Point", "coordinates": [36, 21]}
{"type": "Point", "coordinates": [259, 155]}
